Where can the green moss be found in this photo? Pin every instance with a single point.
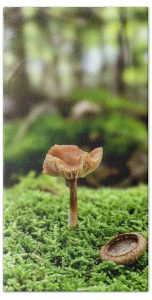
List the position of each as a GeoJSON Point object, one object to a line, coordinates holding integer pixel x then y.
{"type": "Point", "coordinates": [42, 254]}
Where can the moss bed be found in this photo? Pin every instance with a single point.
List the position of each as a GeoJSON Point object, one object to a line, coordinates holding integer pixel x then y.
{"type": "Point", "coordinates": [42, 254]}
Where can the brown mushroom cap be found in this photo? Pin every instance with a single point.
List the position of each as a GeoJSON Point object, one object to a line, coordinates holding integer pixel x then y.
{"type": "Point", "coordinates": [70, 161]}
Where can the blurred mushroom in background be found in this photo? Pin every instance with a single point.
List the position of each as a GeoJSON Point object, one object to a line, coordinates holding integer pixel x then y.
{"type": "Point", "coordinates": [85, 109]}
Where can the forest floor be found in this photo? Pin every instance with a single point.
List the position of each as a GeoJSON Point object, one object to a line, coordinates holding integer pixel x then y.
{"type": "Point", "coordinates": [42, 254]}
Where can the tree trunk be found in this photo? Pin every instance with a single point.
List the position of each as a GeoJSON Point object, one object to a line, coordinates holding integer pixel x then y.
{"type": "Point", "coordinates": [18, 85]}
{"type": "Point", "coordinates": [123, 52]}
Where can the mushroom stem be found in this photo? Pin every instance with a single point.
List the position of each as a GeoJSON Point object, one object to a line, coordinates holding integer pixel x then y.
{"type": "Point", "coordinates": [73, 213]}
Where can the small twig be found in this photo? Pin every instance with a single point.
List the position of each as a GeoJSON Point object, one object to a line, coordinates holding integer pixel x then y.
{"type": "Point", "coordinates": [40, 258]}
{"type": "Point", "coordinates": [37, 256]}
{"type": "Point", "coordinates": [34, 255]}
{"type": "Point", "coordinates": [36, 248]}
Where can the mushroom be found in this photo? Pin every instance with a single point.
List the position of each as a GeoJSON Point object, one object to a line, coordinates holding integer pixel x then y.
{"type": "Point", "coordinates": [85, 109]}
{"type": "Point", "coordinates": [70, 162]}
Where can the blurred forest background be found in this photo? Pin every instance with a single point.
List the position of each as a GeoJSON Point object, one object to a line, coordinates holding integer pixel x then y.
{"type": "Point", "coordinates": [76, 76]}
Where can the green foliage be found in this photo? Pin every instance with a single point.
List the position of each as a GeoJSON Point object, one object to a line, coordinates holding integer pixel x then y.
{"type": "Point", "coordinates": [122, 136]}
{"type": "Point", "coordinates": [108, 101]}
{"type": "Point", "coordinates": [119, 136]}
{"type": "Point", "coordinates": [42, 254]}
{"type": "Point", "coordinates": [136, 76]}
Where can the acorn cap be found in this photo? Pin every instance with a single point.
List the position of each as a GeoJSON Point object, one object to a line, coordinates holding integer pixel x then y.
{"type": "Point", "coordinates": [70, 161]}
{"type": "Point", "coordinates": [124, 248]}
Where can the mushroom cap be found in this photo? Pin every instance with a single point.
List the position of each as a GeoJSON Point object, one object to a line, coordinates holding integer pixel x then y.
{"type": "Point", "coordinates": [71, 162]}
